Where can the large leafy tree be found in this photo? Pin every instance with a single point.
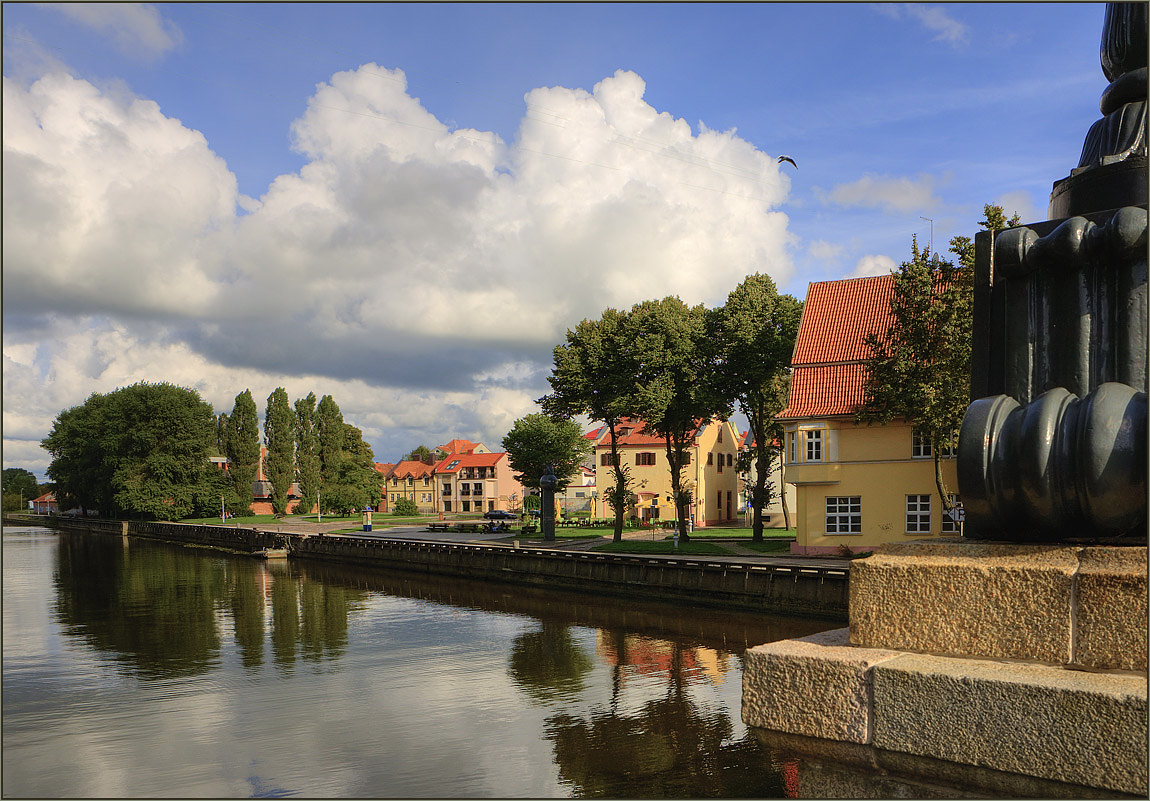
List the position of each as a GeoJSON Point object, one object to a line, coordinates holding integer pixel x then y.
{"type": "Point", "coordinates": [537, 441]}
{"type": "Point", "coordinates": [140, 451]}
{"type": "Point", "coordinates": [242, 447]}
{"type": "Point", "coordinates": [919, 368]}
{"type": "Point", "coordinates": [593, 375]}
{"type": "Point", "coordinates": [354, 481]}
{"type": "Point", "coordinates": [307, 452]}
{"type": "Point", "coordinates": [20, 486]}
{"type": "Point", "coordinates": [421, 453]}
{"type": "Point", "coordinates": [279, 436]}
{"type": "Point", "coordinates": [674, 383]}
{"type": "Point", "coordinates": [754, 335]}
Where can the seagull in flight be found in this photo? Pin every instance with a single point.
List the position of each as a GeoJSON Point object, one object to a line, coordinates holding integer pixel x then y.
{"type": "Point", "coordinates": [781, 159]}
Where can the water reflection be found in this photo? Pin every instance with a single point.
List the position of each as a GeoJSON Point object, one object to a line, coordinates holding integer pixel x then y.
{"type": "Point", "coordinates": [240, 677]}
{"type": "Point", "coordinates": [163, 613]}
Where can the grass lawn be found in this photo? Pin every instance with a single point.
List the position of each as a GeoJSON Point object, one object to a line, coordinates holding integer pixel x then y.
{"type": "Point", "coordinates": [705, 533]}
{"type": "Point", "coordinates": [663, 546]}
{"type": "Point", "coordinates": [768, 546]}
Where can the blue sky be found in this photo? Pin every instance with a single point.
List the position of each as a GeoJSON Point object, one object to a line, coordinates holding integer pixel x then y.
{"type": "Point", "coordinates": [406, 205]}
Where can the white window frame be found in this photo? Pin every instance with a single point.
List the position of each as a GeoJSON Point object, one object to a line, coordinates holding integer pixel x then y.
{"type": "Point", "coordinates": [844, 514]}
{"type": "Point", "coordinates": [918, 514]}
{"type": "Point", "coordinates": [814, 442]}
{"type": "Point", "coordinates": [920, 445]}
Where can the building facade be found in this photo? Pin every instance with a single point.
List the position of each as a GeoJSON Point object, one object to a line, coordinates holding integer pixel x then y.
{"type": "Point", "coordinates": [711, 473]}
{"type": "Point", "coordinates": [857, 486]}
{"type": "Point", "coordinates": [470, 483]}
{"type": "Point", "coordinates": [773, 516]}
{"type": "Point", "coordinates": [412, 480]}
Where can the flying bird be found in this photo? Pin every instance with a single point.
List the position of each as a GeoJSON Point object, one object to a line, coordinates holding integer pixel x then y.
{"type": "Point", "coordinates": [781, 159]}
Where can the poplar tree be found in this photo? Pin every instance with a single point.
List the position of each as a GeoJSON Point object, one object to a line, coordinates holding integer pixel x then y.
{"type": "Point", "coordinates": [919, 368]}
{"type": "Point", "coordinates": [674, 383]}
{"type": "Point", "coordinates": [307, 452]}
{"type": "Point", "coordinates": [755, 336]}
{"type": "Point", "coordinates": [330, 431]}
{"type": "Point", "coordinates": [279, 436]}
{"type": "Point", "coordinates": [593, 375]}
{"type": "Point", "coordinates": [242, 443]}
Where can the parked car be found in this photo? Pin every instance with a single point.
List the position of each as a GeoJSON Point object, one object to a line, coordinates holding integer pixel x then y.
{"type": "Point", "coordinates": [500, 514]}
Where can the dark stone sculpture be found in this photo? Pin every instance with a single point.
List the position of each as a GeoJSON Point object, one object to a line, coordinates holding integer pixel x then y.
{"type": "Point", "coordinates": [547, 484]}
{"type": "Point", "coordinates": [1054, 446]}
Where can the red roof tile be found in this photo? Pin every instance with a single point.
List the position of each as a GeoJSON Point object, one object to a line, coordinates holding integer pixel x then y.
{"type": "Point", "coordinates": [459, 460]}
{"type": "Point", "coordinates": [384, 467]}
{"type": "Point", "coordinates": [458, 446]}
{"type": "Point", "coordinates": [837, 317]}
{"type": "Point", "coordinates": [824, 390]}
{"type": "Point", "coordinates": [412, 469]}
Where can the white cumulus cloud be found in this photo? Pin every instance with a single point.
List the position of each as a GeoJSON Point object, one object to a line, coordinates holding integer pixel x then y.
{"type": "Point", "coordinates": [419, 273]}
{"type": "Point", "coordinates": [873, 265]}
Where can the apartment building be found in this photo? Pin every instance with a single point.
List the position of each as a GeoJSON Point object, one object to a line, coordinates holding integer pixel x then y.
{"type": "Point", "coordinates": [476, 482]}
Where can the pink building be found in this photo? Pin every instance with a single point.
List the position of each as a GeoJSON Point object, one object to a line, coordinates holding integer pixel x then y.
{"type": "Point", "coordinates": [476, 482]}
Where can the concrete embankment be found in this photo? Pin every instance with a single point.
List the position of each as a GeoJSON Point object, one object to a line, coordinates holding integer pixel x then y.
{"type": "Point", "coordinates": [754, 585]}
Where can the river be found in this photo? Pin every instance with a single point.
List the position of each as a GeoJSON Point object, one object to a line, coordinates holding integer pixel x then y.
{"type": "Point", "coordinates": [141, 669]}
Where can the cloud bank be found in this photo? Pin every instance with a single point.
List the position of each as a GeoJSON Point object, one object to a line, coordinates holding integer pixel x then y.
{"type": "Point", "coordinates": [419, 273]}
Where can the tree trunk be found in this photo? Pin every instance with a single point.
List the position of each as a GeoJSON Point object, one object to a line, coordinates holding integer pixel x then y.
{"type": "Point", "coordinates": [759, 494]}
{"type": "Point", "coordinates": [674, 460]}
{"type": "Point", "coordinates": [620, 485]}
{"type": "Point", "coordinates": [942, 493]}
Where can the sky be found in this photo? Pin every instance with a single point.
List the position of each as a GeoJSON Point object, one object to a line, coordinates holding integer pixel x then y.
{"type": "Point", "coordinates": [407, 206]}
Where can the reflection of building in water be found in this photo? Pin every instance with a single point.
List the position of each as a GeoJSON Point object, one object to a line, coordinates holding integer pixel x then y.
{"type": "Point", "coordinates": [714, 663]}
{"type": "Point", "coordinates": [644, 655]}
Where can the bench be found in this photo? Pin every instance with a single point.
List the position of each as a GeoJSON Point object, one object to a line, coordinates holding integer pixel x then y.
{"type": "Point", "coordinates": [528, 529]}
{"type": "Point", "coordinates": [438, 526]}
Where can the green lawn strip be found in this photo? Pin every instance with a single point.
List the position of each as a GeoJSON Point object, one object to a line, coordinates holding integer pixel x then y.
{"type": "Point", "coordinates": [741, 533]}
{"type": "Point", "coordinates": [661, 546]}
{"type": "Point", "coordinates": [768, 546]}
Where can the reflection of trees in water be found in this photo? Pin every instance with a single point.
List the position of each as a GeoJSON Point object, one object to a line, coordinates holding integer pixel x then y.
{"type": "Point", "coordinates": [669, 748]}
{"type": "Point", "coordinates": [156, 606]}
{"type": "Point", "coordinates": [547, 664]}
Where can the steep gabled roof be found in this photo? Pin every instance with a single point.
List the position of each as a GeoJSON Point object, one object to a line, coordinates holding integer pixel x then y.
{"type": "Point", "coordinates": [458, 446]}
{"type": "Point", "coordinates": [384, 468]}
{"type": "Point", "coordinates": [828, 364]}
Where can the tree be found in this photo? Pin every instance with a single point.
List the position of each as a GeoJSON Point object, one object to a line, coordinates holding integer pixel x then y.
{"type": "Point", "coordinates": [19, 487]}
{"type": "Point", "coordinates": [354, 482]}
{"type": "Point", "coordinates": [140, 451]}
{"type": "Point", "coordinates": [307, 452]}
{"type": "Point", "coordinates": [421, 454]}
{"type": "Point", "coordinates": [755, 336]}
{"type": "Point", "coordinates": [919, 368]}
{"type": "Point", "coordinates": [538, 441]}
{"type": "Point", "coordinates": [593, 375]}
{"type": "Point", "coordinates": [675, 386]}
{"type": "Point", "coordinates": [279, 437]}
{"type": "Point", "coordinates": [405, 507]}
{"type": "Point", "coordinates": [242, 443]}
{"type": "Point", "coordinates": [329, 428]}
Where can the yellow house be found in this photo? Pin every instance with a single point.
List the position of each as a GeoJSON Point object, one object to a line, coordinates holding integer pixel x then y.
{"type": "Point", "coordinates": [711, 473]}
{"type": "Point", "coordinates": [412, 480]}
{"type": "Point", "coordinates": [857, 486]}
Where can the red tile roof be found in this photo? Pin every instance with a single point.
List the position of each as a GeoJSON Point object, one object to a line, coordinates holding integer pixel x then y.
{"type": "Point", "coordinates": [384, 467]}
{"type": "Point", "coordinates": [837, 317]}
{"type": "Point", "coordinates": [459, 460]}
{"type": "Point", "coordinates": [829, 374]}
{"type": "Point", "coordinates": [636, 433]}
{"type": "Point", "coordinates": [458, 446]}
{"type": "Point", "coordinates": [412, 469]}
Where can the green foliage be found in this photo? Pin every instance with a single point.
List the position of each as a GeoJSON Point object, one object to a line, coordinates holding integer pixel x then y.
{"type": "Point", "coordinates": [405, 507]}
{"type": "Point", "coordinates": [279, 436]}
{"type": "Point", "coordinates": [675, 381]}
{"type": "Point", "coordinates": [307, 452]}
{"type": "Point", "coordinates": [242, 447]}
{"type": "Point", "coordinates": [140, 451]}
{"type": "Point", "coordinates": [754, 335]}
{"type": "Point", "coordinates": [593, 374]}
{"type": "Point", "coordinates": [329, 428]}
{"type": "Point", "coordinates": [538, 440]}
{"type": "Point", "coordinates": [354, 482]}
{"type": "Point", "coordinates": [421, 454]}
{"type": "Point", "coordinates": [21, 483]}
{"type": "Point", "coordinates": [919, 369]}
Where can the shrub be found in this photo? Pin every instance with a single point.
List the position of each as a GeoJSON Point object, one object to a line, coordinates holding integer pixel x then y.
{"type": "Point", "coordinates": [405, 507]}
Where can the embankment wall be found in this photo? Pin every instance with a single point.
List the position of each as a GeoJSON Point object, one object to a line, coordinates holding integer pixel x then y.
{"type": "Point", "coordinates": [808, 591]}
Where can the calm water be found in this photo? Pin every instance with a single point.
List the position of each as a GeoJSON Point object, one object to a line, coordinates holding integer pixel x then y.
{"type": "Point", "coordinates": [143, 669]}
